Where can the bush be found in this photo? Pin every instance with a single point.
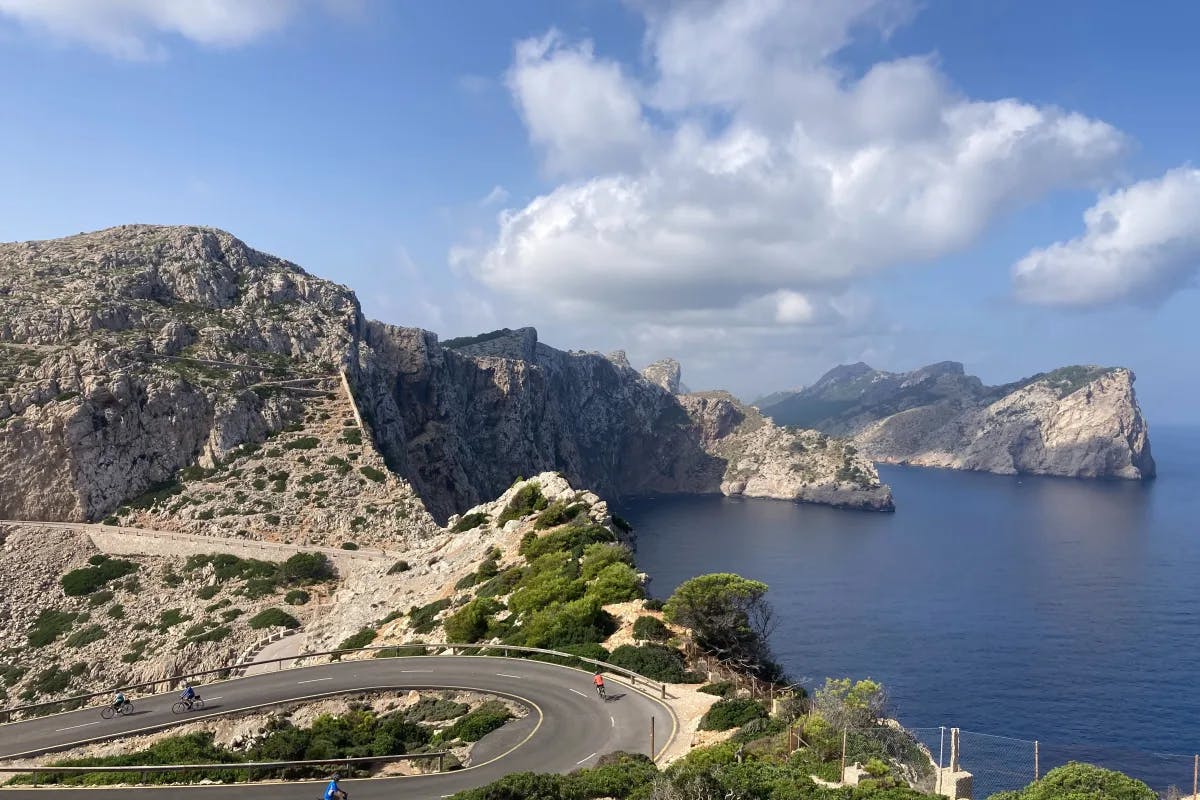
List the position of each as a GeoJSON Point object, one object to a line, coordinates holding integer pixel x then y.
{"type": "Point", "coordinates": [572, 539]}
{"type": "Point", "coordinates": [477, 724]}
{"type": "Point", "coordinates": [731, 713]}
{"type": "Point", "coordinates": [651, 628]}
{"type": "Point", "coordinates": [208, 592]}
{"type": "Point", "coordinates": [296, 597]}
{"type": "Point", "coordinates": [1076, 780]}
{"type": "Point", "coordinates": [307, 568]}
{"type": "Point", "coordinates": [422, 618]}
{"type": "Point", "coordinates": [49, 625]}
{"type": "Point", "coordinates": [79, 582]}
{"type": "Point", "coordinates": [759, 728]}
{"type": "Point", "coordinates": [616, 583]}
{"type": "Point", "coordinates": [501, 584]}
{"type": "Point", "coordinates": [352, 436]}
{"type": "Point", "coordinates": [600, 555]}
{"type": "Point", "coordinates": [554, 515]}
{"type": "Point", "coordinates": [370, 473]}
{"type": "Point", "coordinates": [398, 567]}
{"type": "Point", "coordinates": [655, 661]}
{"type": "Point", "coordinates": [170, 618]}
{"type": "Point", "coordinates": [560, 625]}
{"type": "Point", "coordinates": [528, 499]}
{"type": "Point", "coordinates": [85, 636]}
{"type": "Point", "coordinates": [349, 545]}
{"type": "Point", "coordinates": [466, 581]}
{"type": "Point", "coordinates": [727, 614]}
{"type": "Point", "coordinates": [720, 688]}
{"type": "Point", "coordinates": [469, 522]}
{"type": "Point", "coordinates": [302, 443]}
{"type": "Point", "coordinates": [470, 623]}
{"type": "Point", "coordinates": [653, 604]}
{"type": "Point", "coordinates": [273, 618]}
{"type": "Point", "coordinates": [213, 634]}
{"type": "Point", "coordinates": [116, 611]}
{"type": "Point", "coordinates": [356, 640]}
{"type": "Point", "coordinates": [99, 598]}
{"type": "Point", "coordinates": [435, 709]}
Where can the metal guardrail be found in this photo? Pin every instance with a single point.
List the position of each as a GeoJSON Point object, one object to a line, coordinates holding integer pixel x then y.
{"type": "Point", "coordinates": [248, 766]}
{"type": "Point", "coordinates": [501, 650]}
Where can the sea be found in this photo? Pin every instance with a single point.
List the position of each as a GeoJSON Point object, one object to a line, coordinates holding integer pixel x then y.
{"type": "Point", "coordinates": [1013, 608]}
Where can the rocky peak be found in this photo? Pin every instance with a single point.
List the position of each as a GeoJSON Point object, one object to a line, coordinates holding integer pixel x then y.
{"type": "Point", "coordinates": [665, 373]}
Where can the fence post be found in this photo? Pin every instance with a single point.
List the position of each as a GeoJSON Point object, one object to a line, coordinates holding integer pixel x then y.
{"type": "Point", "coordinates": [843, 773]}
{"type": "Point", "coordinates": [651, 737]}
{"type": "Point", "coordinates": [1037, 772]}
{"type": "Point", "coordinates": [1195, 776]}
{"type": "Point", "coordinates": [942, 747]}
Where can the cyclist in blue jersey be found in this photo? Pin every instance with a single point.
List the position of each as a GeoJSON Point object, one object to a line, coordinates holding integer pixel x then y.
{"type": "Point", "coordinates": [333, 791]}
{"type": "Point", "coordinates": [189, 694]}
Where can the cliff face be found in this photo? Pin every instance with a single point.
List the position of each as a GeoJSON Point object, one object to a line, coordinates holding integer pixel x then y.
{"type": "Point", "coordinates": [1075, 421]}
{"type": "Point", "coordinates": [132, 353]}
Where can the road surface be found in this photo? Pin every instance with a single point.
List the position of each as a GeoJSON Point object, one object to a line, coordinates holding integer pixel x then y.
{"type": "Point", "coordinates": [568, 726]}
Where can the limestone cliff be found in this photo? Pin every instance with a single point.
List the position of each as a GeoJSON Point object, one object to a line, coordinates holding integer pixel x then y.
{"type": "Point", "coordinates": [143, 359]}
{"type": "Point", "coordinates": [1079, 421]}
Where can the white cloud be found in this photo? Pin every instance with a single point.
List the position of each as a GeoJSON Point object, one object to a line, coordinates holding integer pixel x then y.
{"type": "Point", "coordinates": [581, 111]}
{"type": "Point", "coordinates": [749, 171]}
{"type": "Point", "coordinates": [497, 195]}
{"type": "Point", "coordinates": [1140, 244]}
{"type": "Point", "coordinates": [133, 28]}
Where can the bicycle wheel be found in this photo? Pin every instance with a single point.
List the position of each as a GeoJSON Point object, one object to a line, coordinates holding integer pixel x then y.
{"type": "Point", "coordinates": [127, 708]}
{"type": "Point", "coordinates": [198, 704]}
{"type": "Point", "coordinates": [108, 712]}
{"type": "Point", "coordinates": [179, 707]}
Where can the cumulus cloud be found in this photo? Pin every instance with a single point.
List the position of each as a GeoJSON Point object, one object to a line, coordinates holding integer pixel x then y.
{"type": "Point", "coordinates": [748, 168]}
{"type": "Point", "coordinates": [133, 28]}
{"type": "Point", "coordinates": [1140, 244]}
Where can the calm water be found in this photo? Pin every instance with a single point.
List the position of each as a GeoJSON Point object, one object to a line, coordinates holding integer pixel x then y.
{"type": "Point", "coordinates": [1041, 608]}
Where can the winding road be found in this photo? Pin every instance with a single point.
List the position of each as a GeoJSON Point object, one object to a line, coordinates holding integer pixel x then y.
{"type": "Point", "coordinates": [567, 727]}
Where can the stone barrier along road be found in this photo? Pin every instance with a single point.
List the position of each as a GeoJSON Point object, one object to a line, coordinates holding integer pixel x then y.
{"type": "Point", "coordinates": [120, 540]}
{"type": "Point", "coordinates": [568, 727]}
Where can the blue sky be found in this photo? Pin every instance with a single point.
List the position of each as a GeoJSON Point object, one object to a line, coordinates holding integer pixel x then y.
{"type": "Point", "coordinates": [757, 187]}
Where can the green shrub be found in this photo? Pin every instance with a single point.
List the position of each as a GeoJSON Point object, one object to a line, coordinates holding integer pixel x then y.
{"type": "Point", "coordinates": [208, 592]}
{"type": "Point", "coordinates": [477, 724]}
{"type": "Point", "coordinates": [307, 568]}
{"type": "Point", "coordinates": [616, 583]}
{"type": "Point", "coordinates": [527, 500]}
{"type": "Point", "coordinates": [356, 640]}
{"type": "Point", "coordinates": [273, 618]}
{"type": "Point", "coordinates": [400, 652]}
{"type": "Point", "coordinates": [653, 604]}
{"type": "Point", "coordinates": [600, 555]}
{"type": "Point", "coordinates": [655, 661]}
{"type": "Point", "coordinates": [398, 567]}
{"type": "Point", "coordinates": [85, 636]}
{"type": "Point", "coordinates": [502, 583]}
{"type": "Point", "coordinates": [759, 729]}
{"type": "Point", "coordinates": [352, 436]}
{"type": "Point", "coordinates": [49, 625]}
{"type": "Point", "coordinates": [466, 581]}
{"type": "Point", "coordinates": [349, 545]}
{"type": "Point", "coordinates": [116, 611]}
{"type": "Point", "coordinates": [469, 522]}
{"type": "Point", "coordinates": [470, 623]}
{"type": "Point", "coordinates": [559, 625]}
{"type": "Point", "coordinates": [170, 618]}
{"type": "Point", "coordinates": [99, 598]}
{"type": "Point", "coordinates": [554, 515]}
{"type": "Point", "coordinates": [370, 473]}
{"type": "Point", "coordinates": [296, 597]}
{"type": "Point", "coordinates": [49, 681]}
{"type": "Point", "coordinates": [79, 582]}
{"type": "Point", "coordinates": [651, 628]}
{"type": "Point", "coordinates": [1077, 780]}
{"type": "Point", "coordinates": [719, 688]}
{"type": "Point", "coordinates": [231, 614]}
{"type": "Point", "coordinates": [731, 713]}
{"type": "Point", "coordinates": [422, 618]}
{"type": "Point", "coordinates": [572, 539]}
{"type": "Point", "coordinates": [302, 443]}
{"type": "Point", "coordinates": [435, 709]}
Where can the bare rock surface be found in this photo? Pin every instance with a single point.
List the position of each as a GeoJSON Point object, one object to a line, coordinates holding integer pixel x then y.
{"type": "Point", "coordinates": [1079, 421]}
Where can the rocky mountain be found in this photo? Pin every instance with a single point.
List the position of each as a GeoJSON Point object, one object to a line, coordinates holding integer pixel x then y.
{"type": "Point", "coordinates": [139, 362]}
{"type": "Point", "coordinates": [1079, 421]}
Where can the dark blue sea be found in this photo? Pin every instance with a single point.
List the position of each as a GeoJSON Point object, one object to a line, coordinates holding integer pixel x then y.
{"type": "Point", "coordinates": [1014, 608]}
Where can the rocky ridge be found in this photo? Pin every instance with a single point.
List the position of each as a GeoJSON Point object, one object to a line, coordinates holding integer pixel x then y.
{"type": "Point", "coordinates": [1079, 421]}
{"type": "Point", "coordinates": [131, 354]}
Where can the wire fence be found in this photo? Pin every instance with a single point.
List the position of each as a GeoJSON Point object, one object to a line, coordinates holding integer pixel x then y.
{"type": "Point", "coordinates": [1003, 763]}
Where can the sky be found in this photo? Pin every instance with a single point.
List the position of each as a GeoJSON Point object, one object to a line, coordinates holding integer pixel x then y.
{"type": "Point", "coordinates": [759, 188]}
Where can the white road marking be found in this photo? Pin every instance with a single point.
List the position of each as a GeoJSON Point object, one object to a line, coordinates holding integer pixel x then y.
{"type": "Point", "coordinates": [506, 675]}
{"type": "Point", "coordinates": [581, 694]}
{"type": "Point", "coordinates": [613, 720]}
{"type": "Point", "coordinates": [420, 670]}
{"type": "Point", "coordinates": [73, 727]}
{"type": "Point", "coordinates": [218, 697]}
{"type": "Point", "coordinates": [585, 758]}
{"type": "Point", "coordinates": [315, 680]}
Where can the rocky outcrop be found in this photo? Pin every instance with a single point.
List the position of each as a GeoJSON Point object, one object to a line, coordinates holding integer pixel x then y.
{"type": "Point", "coordinates": [1080, 421]}
{"type": "Point", "coordinates": [134, 353]}
{"type": "Point", "coordinates": [665, 373]}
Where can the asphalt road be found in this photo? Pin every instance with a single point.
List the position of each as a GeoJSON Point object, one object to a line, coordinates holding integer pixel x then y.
{"type": "Point", "coordinates": [567, 727]}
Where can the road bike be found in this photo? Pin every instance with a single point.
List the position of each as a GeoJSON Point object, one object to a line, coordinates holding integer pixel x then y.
{"type": "Point", "coordinates": [600, 690]}
{"type": "Point", "coordinates": [183, 706]}
{"type": "Point", "coordinates": [110, 711]}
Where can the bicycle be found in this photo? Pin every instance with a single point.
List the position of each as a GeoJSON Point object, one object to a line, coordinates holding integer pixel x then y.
{"type": "Point", "coordinates": [600, 690]}
{"type": "Point", "coordinates": [110, 711]}
{"type": "Point", "coordinates": [183, 706]}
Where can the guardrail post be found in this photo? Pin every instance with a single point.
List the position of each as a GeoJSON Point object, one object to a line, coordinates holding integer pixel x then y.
{"type": "Point", "coordinates": [442, 762]}
{"type": "Point", "coordinates": [651, 737]}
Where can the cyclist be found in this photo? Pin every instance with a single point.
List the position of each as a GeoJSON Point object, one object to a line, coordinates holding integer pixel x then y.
{"type": "Point", "coordinates": [598, 681]}
{"type": "Point", "coordinates": [333, 791]}
{"type": "Point", "coordinates": [189, 694]}
{"type": "Point", "coordinates": [119, 701]}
